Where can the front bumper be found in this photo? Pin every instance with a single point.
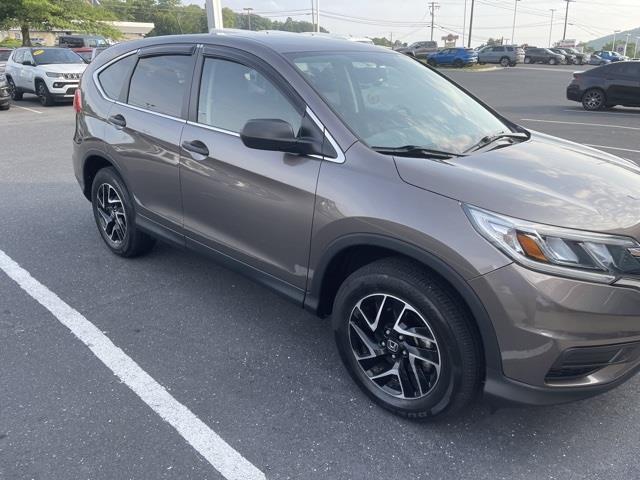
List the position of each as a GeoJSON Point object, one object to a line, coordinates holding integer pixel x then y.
{"type": "Point", "coordinates": [574, 93]}
{"type": "Point", "coordinates": [63, 89]}
{"type": "Point", "coordinates": [539, 319]}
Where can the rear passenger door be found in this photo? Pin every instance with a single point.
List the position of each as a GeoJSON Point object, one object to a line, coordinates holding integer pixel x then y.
{"type": "Point", "coordinates": [254, 206]}
{"type": "Point", "coordinates": [145, 125]}
{"type": "Point", "coordinates": [622, 80]}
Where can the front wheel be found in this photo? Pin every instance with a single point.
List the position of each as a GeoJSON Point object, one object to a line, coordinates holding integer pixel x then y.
{"type": "Point", "coordinates": [114, 215]}
{"type": "Point", "coordinates": [432, 62]}
{"type": "Point", "coordinates": [46, 99]}
{"type": "Point", "coordinates": [458, 63]}
{"type": "Point", "coordinates": [552, 61]}
{"type": "Point", "coordinates": [406, 340]}
{"type": "Point", "coordinates": [527, 59]}
{"type": "Point", "coordinates": [505, 62]}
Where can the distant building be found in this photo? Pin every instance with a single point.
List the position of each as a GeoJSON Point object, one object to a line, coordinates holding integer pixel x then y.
{"type": "Point", "coordinates": [129, 30]}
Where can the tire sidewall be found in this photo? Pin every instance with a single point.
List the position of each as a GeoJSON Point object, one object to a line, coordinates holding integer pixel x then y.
{"type": "Point", "coordinates": [441, 396]}
{"type": "Point", "coordinates": [599, 107]}
{"type": "Point", "coordinates": [109, 176]}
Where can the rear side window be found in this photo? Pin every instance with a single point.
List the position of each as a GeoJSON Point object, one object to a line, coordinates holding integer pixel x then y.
{"type": "Point", "coordinates": [498, 49]}
{"type": "Point", "coordinates": [18, 56]}
{"type": "Point", "coordinates": [113, 77]}
{"type": "Point", "coordinates": [159, 83]}
{"type": "Point", "coordinates": [231, 94]}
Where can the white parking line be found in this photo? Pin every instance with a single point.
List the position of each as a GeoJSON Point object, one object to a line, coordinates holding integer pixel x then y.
{"type": "Point", "coordinates": [26, 108]}
{"type": "Point", "coordinates": [541, 69]}
{"type": "Point", "coordinates": [609, 112]}
{"type": "Point", "coordinates": [205, 441]}
{"type": "Point", "coordinates": [579, 123]}
{"type": "Point", "coordinates": [613, 148]}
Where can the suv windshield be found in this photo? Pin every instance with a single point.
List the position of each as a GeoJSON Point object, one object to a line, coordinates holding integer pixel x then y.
{"type": "Point", "coordinates": [46, 56]}
{"type": "Point", "coordinates": [391, 101]}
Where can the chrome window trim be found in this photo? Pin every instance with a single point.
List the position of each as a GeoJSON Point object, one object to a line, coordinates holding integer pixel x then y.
{"type": "Point", "coordinates": [140, 109]}
{"type": "Point", "coordinates": [214, 129]}
{"type": "Point", "coordinates": [340, 158]}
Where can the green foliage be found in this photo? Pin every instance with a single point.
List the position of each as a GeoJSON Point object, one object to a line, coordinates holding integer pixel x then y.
{"type": "Point", "coordinates": [10, 43]}
{"type": "Point", "coordinates": [73, 15]}
{"type": "Point", "coordinates": [382, 41]}
{"type": "Point", "coordinates": [620, 43]}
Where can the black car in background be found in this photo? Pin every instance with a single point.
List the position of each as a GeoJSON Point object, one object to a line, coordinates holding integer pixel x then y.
{"type": "Point", "coordinates": [607, 86]}
{"type": "Point", "coordinates": [569, 58]}
{"type": "Point", "coordinates": [5, 96]}
{"type": "Point", "coordinates": [543, 55]}
{"type": "Point", "coordinates": [581, 57]}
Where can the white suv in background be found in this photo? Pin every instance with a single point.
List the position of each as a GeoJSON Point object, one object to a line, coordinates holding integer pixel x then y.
{"type": "Point", "coordinates": [52, 74]}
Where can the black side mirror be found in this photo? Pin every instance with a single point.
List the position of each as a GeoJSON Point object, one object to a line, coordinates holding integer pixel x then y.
{"type": "Point", "coordinates": [277, 135]}
{"type": "Point", "coordinates": [28, 63]}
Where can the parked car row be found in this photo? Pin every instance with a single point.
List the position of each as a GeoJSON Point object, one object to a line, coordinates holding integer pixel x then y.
{"type": "Point", "coordinates": [607, 86]}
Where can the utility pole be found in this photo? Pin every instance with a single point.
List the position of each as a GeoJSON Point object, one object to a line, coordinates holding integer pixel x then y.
{"type": "Point", "coordinates": [614, 39]}
{"type": "Point", "coordinates": [214, 14]}
{"type": "Point", "coordinates": [513, 29]}
{"type": "Point", "coordinates": [313, 15]}
{"type": "Point", "coordinates": [566, 17]}
{"type": "Point", "coordinates": [471, 23]}
{"type": "Point", "coordinates": [551, 28]}
{"type": "Point", "coordinates": [464, 21]}
{"type": "Point", "coordinates": [626, 43]}
{"type": "Point", "coordinates": [248, 10]}
{"type": "Point", "coordinates": [317, 15]}
{"type": "Point", "coordinates": [433, 6]}
{"type": "Point", "coordinates": [635, 50]}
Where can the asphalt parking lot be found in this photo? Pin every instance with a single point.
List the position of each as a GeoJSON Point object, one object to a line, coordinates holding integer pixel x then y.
{"type": "Point", "coordinates": [259, 372]}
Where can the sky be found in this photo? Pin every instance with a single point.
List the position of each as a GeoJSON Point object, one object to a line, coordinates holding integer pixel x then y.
{"type": "Point", "coordinates": [409, 20]}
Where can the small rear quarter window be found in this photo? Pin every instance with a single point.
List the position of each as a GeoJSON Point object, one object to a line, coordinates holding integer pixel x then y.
{"type": "Point", "coordinates": [112, 78]}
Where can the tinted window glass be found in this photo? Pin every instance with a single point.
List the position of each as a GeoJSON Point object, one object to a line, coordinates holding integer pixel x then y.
{"type": "Point", "coordinates": [159, 83]}
{"type": "Point", "coordinates": [391, 101]}
{"type": "Point", "coordinates": [113, 77]}
{"type": "Point", "coordinates": [631, 69]}
{"type": "Point", "coordinates": [498, 49]}
{"type": "Point", "coordinates": [232, 94]}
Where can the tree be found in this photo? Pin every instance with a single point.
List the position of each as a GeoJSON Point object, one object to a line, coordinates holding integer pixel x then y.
{"type": "Point", "coordinates": [73, 15]}
{"type": "Point", "coordinates": [620, 43]}
{"type": "Point", "coordinates": [382, 41]}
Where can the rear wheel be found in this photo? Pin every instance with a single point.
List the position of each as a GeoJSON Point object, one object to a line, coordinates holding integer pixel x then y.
{"type": "Point", "coordinates": [13, 90]}
{"type": "Point", "coordinates": [527, 59]}
{"type": "Point", "coordinates": [46, 99]}
{"type": "Point", "coordinates": [406, 341]}
{"type": "Point", "coordinates": [115, 217]}
{"type": "Point", "coordinates": [593, 99]}
{"type": "Point", "coordinates": [505, 62]}
{"type": "Point", "coordinates": [432, 62]}
{"type": "Point", "coordinates": [552, 61]}
{"type": "Point", "coordinates": [458, 63]}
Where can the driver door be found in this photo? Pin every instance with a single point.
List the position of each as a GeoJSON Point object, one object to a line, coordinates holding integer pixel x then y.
{"type": "Point", "coordinates": [253, 206]}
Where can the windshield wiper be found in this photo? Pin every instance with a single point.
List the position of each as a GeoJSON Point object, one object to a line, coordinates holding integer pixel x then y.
{"type": "Point", "coordinates": [416, 151]}
{"type": "Point", "coordinates": [489, 139]}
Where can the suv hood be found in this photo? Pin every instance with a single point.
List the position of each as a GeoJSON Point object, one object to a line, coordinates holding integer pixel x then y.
{"type": "Point", "coordinates": [545, 180]}
{"type": "Point", "coordinates": [64, 67]}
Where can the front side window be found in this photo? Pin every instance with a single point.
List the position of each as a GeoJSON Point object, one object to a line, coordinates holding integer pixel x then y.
{"type": "Point", "coordinates": [18, 56]}
{"type": "Point", "coordinates": [231, 94]}
{"type": "Point", "coordinates": [48, 56]}
{"type": "Point", "coordinates": [391, 101]}
{"type": "Point", "coordinates": [159, 83]}
{"type": "Point", "coordinates": [113, 77]}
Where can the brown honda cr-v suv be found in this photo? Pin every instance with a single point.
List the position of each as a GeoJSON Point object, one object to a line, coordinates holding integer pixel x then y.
{"type": "Point", "coordinates": [455, 251]}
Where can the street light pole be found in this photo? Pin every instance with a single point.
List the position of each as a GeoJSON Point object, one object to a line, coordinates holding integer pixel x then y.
{"type": "Point", "coordinates": [566, 16]}
{"type": "Point", "coordinates": [248, 10]}
{"type": "Point", "coordinates": [214, 14]}
{"type": "Point", "coordinates": [464, 21]}
{"type": "Point", "coordinates": [614, 39]}
{"type": "Point", "coordinates": [635, 50]}
{"type": "Point", "coordinates": [317, 15]}
{"type": "Point", "coordinates": [471, 23]}
{"type": "Point", "coordinates": [513, 29]}
{"type": "Point", "coordinates": [551, 27]}
{"type": "Point", "coordinates": [626, 43]}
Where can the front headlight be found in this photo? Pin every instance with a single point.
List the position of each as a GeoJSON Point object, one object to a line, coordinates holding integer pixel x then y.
{"type": "Point", "coordinates": [560, 251]}
{"type": "Point", "coordinates": [53, 74]}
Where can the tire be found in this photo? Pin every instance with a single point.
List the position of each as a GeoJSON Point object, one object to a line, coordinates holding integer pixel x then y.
{"type": "Point", "coordinates": [445, 383]}
{"type": "Point", "coordinates": [458, 63]}
{"type": "Point", "coordinates": [482, 63]}
{"type": "Point", "coordinates": [432, 63]}
{"type": "Point", "coordinates": [594, 99]}
{"type": "Point", "coordinates": [13, 90]}
{"type": "Point", "coordinates": [552, 61]}
{"type": "Point", "coordinates": [527, 59]}
{"type": "Point", "coordinates": [5, 107]}
{"type": "Point", "coordinates": [46, 99]}
{"type": "Point", "coordinates": [505, 62]}
{"type": "Point", "coordinates": [513, 64]}
{"type": "Point", "coordinates": [115, 217]}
